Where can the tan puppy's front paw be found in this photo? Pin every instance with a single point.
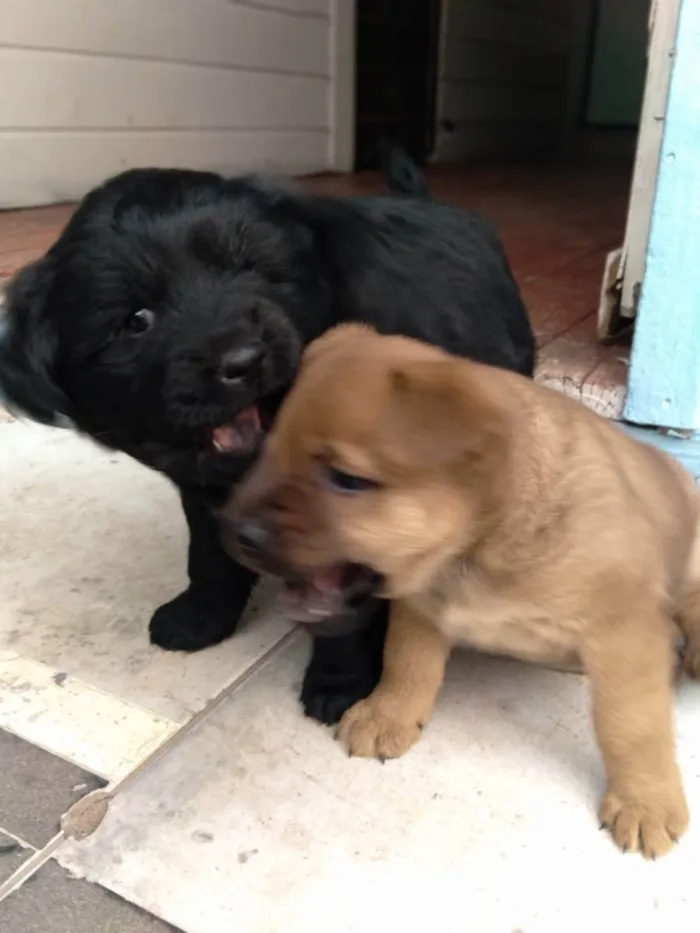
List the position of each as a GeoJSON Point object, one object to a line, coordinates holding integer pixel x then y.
{"type": "Point", "coordinates": [651, 824]}
{"type": "Point", "coordinates": [376, 728]}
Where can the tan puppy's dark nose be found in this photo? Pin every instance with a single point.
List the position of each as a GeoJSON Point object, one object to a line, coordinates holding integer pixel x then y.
{"type": "Point", "coordinates": [251, 536]}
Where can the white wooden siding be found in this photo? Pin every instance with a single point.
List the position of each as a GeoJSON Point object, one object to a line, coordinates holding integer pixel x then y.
{"type": "Point", "coordinates": [503, 75]}
{"type": "Point", "coordinates": [90, 87]}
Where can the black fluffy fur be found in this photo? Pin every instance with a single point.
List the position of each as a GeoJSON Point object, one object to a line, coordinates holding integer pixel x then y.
{"type": "Point", "coordinates": [219, 263]}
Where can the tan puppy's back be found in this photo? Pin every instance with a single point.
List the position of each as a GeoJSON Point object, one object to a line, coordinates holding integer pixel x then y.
{"type": "Point", "coordinates": [611, 514]}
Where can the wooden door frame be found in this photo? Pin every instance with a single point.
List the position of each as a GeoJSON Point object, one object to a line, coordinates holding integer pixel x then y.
{"type": "Point", "coordinates": [625, 266]}
{"type": "Point", "coordinates": [664, 379]}
{"type": "Point", "coordinates": [663, 26]}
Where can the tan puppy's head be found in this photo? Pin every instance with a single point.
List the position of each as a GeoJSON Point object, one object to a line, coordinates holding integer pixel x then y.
{"type": "Point", "coordinates": [380, 467]}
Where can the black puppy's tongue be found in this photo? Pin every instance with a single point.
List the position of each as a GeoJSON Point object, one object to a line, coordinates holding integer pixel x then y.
{"type": "Point", "coordinates": [240, 436]}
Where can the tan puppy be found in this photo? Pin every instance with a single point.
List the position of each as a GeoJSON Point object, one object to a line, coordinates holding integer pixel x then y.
{"type": "Point", "coordinates": [494, 513]}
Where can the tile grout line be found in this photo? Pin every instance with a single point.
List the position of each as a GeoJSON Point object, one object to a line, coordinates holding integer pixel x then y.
{"type": "Point", "coordinates": [183, 731]}
{"type": "Point", "coordinates": [58, 696]}
{"type": "Point", "coordinates": [566, 330]}
{"type": "Point", "coordinates": [586, 253]}
{"type": "Point", "coordinates": [27, 869]}
{"type": "Point", "coordinates": [16, 838]}
{"type": "Point", "coordinates": [41, 856]}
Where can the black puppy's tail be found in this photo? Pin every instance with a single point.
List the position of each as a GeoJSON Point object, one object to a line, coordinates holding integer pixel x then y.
{"type": "Point", "coordinates": [402, 174]}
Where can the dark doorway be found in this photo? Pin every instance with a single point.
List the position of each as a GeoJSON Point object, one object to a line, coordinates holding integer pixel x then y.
{"type": "Point", "coordinates": [397, 57]}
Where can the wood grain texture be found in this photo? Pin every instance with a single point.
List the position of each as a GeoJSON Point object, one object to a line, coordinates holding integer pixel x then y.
{"type": "Point", "coordinates": [48, 167]}
{"type": "Point", "coordinates": [219, 33]}
{"type": "Point", "coordinates": [64, 91]}
{"type": "Point", "coordinates": [90, 88]}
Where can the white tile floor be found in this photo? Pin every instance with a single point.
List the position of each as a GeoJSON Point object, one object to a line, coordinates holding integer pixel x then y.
{"type": "Point", "coordinates": [254, 819]}
{"type": "Point", "coordinates": [90, 544]}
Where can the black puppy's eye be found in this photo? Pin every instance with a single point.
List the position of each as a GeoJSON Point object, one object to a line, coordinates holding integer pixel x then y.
{"type": "Point", "coordinates": [347, 484]}
{"type": "Point", "coordinates": [141, 321]}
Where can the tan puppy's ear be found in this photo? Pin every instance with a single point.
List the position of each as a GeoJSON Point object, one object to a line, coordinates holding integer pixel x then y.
{"type": "Point", "coordinates": [439, 413]}
{"type": "Point", "coordinates": [336, 337]}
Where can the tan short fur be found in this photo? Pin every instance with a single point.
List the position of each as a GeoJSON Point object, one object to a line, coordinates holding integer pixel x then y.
{"type": "Point", "coordinates": [506, 517]}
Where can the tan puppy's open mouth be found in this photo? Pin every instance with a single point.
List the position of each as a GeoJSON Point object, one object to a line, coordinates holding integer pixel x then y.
{"type": "Point", "coordinates": [329, 593]}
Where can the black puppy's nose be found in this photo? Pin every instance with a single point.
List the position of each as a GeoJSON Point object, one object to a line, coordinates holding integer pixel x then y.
{"type": "Point", "coordinates": [252, 535]}
{"type": "Point", "coordinates": [240, 362]}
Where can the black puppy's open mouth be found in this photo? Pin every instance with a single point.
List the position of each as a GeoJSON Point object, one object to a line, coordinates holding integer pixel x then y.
{"type": "Point", "coordinates": [243, 435]}
{"type": "Point", "coordinates": [329, 593]}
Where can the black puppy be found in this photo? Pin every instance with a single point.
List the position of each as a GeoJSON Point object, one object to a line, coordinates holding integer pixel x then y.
{"type": "Point", "coordinates": [167, 322]}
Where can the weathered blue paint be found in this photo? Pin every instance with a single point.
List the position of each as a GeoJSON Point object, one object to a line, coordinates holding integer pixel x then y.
{"type": "Point", "coordinates": [664, 378]}
{"type": "Point", "coordinates": [685, 450]}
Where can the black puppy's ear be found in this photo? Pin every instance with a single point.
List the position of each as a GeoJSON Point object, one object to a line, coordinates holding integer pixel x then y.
{"type": "Point", "coordinates": [28, 347]}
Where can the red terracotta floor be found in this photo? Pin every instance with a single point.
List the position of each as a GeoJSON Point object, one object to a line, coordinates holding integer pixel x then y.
{"type": "Point", "coordinates": [558, 223]}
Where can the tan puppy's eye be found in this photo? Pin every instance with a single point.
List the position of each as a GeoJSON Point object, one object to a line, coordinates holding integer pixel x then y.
{"type": "Point", "coordinates": [345, 484]}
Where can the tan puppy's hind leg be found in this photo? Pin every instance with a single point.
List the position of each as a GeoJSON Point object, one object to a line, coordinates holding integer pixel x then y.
{"type": "Point", "coordinates": [390, 720]}
{"type": "Point", "coordinates": [630, 664]}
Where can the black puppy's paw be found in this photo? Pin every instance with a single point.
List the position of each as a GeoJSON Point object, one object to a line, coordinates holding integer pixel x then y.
{"type": "Point", "coordinates": [188, 624]}
{"type": "Point", "coordinates": [327, 699]}
{"type": "Point", "coordinates": [345, 668]}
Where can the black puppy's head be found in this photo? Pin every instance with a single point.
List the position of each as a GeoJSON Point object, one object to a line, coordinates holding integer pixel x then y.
{"type": "Point", "coordinates": [167, 319]}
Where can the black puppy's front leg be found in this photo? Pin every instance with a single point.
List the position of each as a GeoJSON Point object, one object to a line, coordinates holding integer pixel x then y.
{"type": "Point", "coordinates": [208, 611]}
{"type": "Point", "coordinates": [345, 668]}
